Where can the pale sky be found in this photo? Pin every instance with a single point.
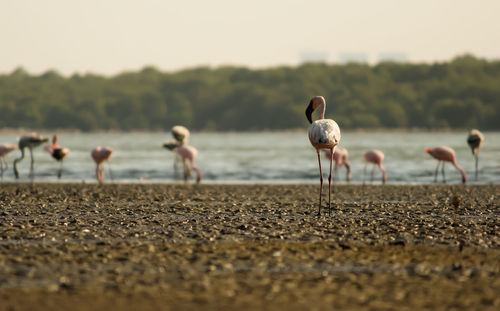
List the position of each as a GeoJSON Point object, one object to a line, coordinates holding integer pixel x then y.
{"type": "Point", "coordinates": [112, 36]}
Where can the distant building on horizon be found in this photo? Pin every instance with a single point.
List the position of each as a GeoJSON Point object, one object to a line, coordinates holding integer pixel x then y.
{"type": "Point", "coordinates": [399, 57]}
{"type": "Point", "coordinates": [353, 57]}
{"type": "Point", "coordinates": [313, 57]}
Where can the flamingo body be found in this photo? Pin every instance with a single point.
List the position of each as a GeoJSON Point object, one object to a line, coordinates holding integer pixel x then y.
{"type": "Point", "coordinates": [323, 134]}
{"type": "Point", "coordinates": [475, 140]}
{"type": "Point", "coordinates": [340, 158]}
{"type": "Point", "coordinates": [6, 148]}
{"type": "Point", "coordinates": [56, 151]}
{"type": "Point", "coordinates": [188, 155]}
{"type": "Point", "coordinates": [376, 157]}
{"type": "Point", "coordinates": [445, 154]}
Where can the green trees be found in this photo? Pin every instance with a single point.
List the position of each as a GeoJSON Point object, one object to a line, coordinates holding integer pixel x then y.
{"type": "Point", "coordinates": [462, 93]}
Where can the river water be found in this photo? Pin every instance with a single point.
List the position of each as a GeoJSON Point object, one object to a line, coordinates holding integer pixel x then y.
{"type": "Point", "coordinates": [262, 157]}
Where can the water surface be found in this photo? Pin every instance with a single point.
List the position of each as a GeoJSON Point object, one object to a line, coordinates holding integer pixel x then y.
{"type": "Point", "coordinates": [268, 157]}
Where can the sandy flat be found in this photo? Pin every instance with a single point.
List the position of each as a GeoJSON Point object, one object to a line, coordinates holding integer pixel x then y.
{"type": "Point", "coordinates": [261, 247]}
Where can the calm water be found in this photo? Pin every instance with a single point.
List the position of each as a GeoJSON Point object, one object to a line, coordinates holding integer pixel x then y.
{"type": "Point", "coordinates": [258, 157]}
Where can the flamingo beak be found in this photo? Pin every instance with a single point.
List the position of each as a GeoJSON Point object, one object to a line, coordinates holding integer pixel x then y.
{"type": "Point", "coordinates": [170, 145]}
{"type": "Point", "coordinates": [309, 112]}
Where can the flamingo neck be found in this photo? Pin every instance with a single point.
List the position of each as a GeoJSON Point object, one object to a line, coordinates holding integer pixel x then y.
{"type": "Point", "coordinates": [198, 173]}
{"type": "Point", "coordinates": [461, 170]}
{"type": "Point", "coordinates": [384, 175]}
{"type": "Point", "coordinates": [323, 109]}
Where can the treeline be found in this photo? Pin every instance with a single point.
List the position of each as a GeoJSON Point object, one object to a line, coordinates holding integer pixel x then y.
{"type": "Point", "coordinates": [462, 93]}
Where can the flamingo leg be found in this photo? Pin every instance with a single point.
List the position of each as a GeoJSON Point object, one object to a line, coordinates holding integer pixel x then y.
{"type": "Point", "coordinates": [442, 172]}
{"type": "Point", "coordinates": [16, 172]}
{"type": "Point", "coordinates": [1, 168]}
{"type": "Point", "coordinates": [177, 160]}
{"type": "Point", "coordinates": [321, 182]}
{"type": "Point", "coordinates": [110, 174]}
{"type": "Point", "coordinates": [436, 173]}
{"type": "Point", "coordinates": [98, 173]}
{"type": "Point", "coordinates": [477, 160]}
{"type": "Point", "coordinates": [187, 169]}
{"type": "Point", "coordinates": [330, 184]}
{"type": "Point", "coordinates": [364, 172]}
{"type": "Point", "coordinates": [371, 175]}
{"type": "Point", "coordinates": [59, 173]}
{"type": "Point", "coordinates": [32, 165]}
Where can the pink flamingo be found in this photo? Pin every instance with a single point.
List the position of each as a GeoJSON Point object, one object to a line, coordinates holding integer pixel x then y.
{"type": "Point", "coordinates": [323, 134]}
{"type": "Point", "coordinates": [4, 150]}
{"type": "Point", "coordinates": [100, 155]}
{"type": "Point", "coordinates": [443, 154]}
{"type": "Point", "coordinates": [475, 140]}
{"type": "Point", "coordinates": [340, 158]}
{"type": "Point", "coordinates": [376, 157]}
{"type": "Point", "coordinates": [57, 153]}
{"type": "Point", "coordinates": [181, 137]}
{"type": "Point", "coordinates": [188, 155]}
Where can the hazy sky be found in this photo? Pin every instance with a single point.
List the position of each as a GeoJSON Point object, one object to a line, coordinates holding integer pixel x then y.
{"type": "Point", "coordinates": [110, 36]}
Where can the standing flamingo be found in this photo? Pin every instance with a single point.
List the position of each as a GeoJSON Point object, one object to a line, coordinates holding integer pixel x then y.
{"type": "Point", "coordinates": [323, 134]}
{"type": "Point", "coordinates": [445, 154]}
{"type": "Point", "coordinates": [100, 154]}
{"type": "Point", "coordinates": [376, 157]}
{"type": "Point", "coordinates": [340, 158]}
{"type": "Point", "coordinates": [181, 136]}
{"type": "Point", "coordinates": [57, 153]}
{"type": "Point", "coordinates": [475, 140]}
{"type": "Point", "coordinates": [31, 141]}
{"type": "Point", "coordinates": [4, 150]}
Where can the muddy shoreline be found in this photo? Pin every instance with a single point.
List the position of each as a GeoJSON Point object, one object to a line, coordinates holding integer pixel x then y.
{"type": "Point", "coordinates": [175, 246]}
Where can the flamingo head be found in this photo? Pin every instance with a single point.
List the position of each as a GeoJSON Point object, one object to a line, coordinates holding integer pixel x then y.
{"type": "Point", "coordinates": [314, 103]}
{"type": "Point", "coordinates": [428, 150]}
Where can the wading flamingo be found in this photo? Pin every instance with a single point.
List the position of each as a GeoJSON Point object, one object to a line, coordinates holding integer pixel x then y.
{"type": "Point", "coordinates": [340, 158]}
{"type": "Point", "coordinates": [57, 153]}
{"type": "Point", "coordinates": [376, 157]}
{"type": "Point", "coordinates": [443, 154]}
{"type": "Point", "coordinates": [475, 140]}
{"type": "Point", "coordinates": [188, 155]}
{"type": "Point", "coordinates": [181, 136]}
{"type": "Point", "coordinates": [4, 149]}
{"type": "Point", "coordinates": [100, 154]}
{"type": "Point", "coordinates": [30, 141]}
{"type": "Point", "coordinates": [323, 134]}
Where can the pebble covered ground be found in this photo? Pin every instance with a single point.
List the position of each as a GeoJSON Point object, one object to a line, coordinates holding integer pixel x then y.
{"type": "Point", "coordinates": [212, 247]}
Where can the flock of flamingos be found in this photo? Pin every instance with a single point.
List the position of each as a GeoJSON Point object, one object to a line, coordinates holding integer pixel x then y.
{"type": "Point", "coordinates": [179, 145]}
{"type": "Point", "coordinates": [324, 134]}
